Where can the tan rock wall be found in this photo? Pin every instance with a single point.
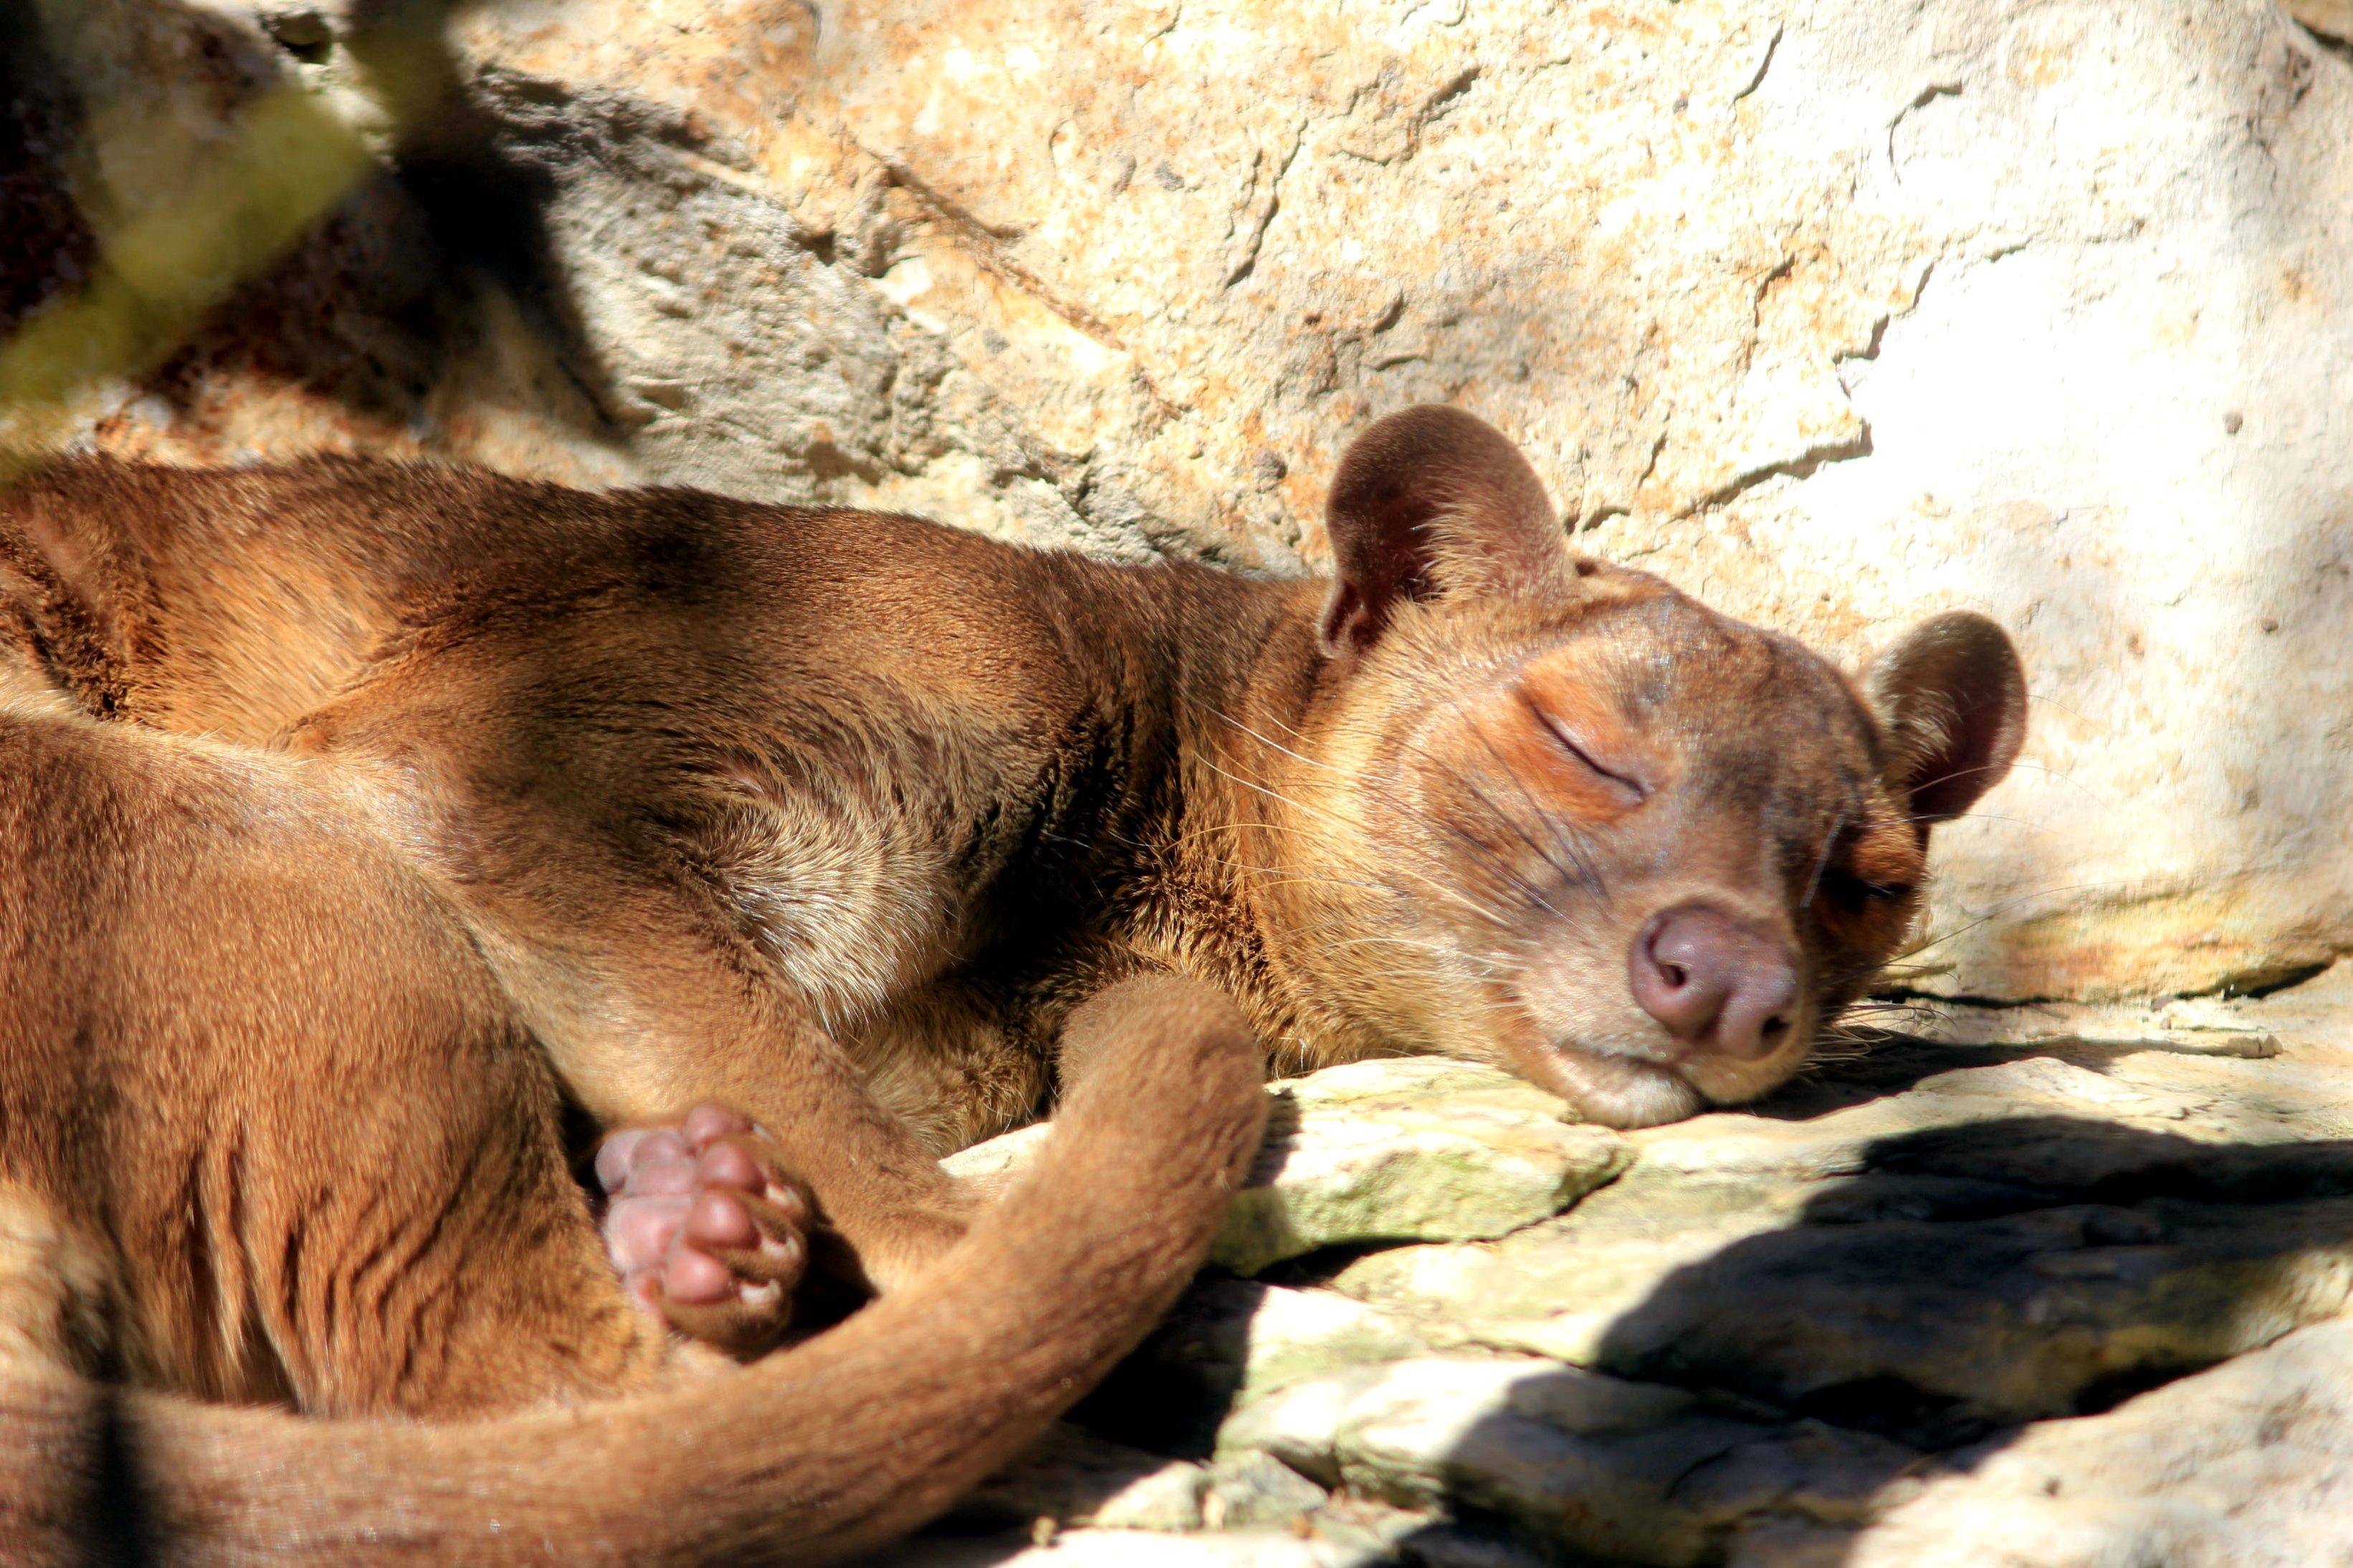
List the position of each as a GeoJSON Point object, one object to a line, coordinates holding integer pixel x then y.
{"type": "Point", "coordinates": [1837, 314]}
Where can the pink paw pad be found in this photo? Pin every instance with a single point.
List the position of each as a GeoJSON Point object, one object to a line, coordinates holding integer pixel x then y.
{"type": "Point", "coordinates": [694, 1218]}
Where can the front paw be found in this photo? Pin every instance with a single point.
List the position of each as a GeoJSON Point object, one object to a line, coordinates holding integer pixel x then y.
{"type": "Point", "coordinates": [705, 1229]}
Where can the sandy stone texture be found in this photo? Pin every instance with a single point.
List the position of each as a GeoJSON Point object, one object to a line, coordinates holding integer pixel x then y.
{"type": "Point", "coordinates": [1837, 314]}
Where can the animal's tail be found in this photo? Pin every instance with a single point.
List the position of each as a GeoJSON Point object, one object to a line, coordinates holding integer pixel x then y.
{"type": "Point", "coordinates": [810, 1456]}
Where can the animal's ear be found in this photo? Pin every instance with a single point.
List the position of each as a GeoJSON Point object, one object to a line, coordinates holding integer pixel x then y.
{"type": "Point", "coordinates": [1432, 502]}
{"type": "Point", "coordinates": [1952, 698]}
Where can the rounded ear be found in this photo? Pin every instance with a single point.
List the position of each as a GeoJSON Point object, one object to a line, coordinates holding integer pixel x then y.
{"type": "Point", "coordinates": [1428, 503]}
{"type": "Point", "coordinates": [1951, 696]}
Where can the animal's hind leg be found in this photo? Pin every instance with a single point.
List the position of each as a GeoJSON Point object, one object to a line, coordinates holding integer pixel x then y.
{"type": "Point", "coordinates": [460, 1273]}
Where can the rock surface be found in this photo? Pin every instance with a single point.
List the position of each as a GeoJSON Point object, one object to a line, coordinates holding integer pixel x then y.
{"type": "Point", "coordinates": [1837, 314]}
{"type": "Point", "coordinates": [2062, 1286]}
{"type": "Point", "coordinates": [2249, 1464]}
{"type": "Point", "coordinates": [1418, 1149]}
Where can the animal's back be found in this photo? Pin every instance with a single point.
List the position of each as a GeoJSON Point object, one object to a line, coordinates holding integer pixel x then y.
{"type": "Point", "coordinates": [231, 601]}
{"type": "Point", "coordinates": [221, 601]}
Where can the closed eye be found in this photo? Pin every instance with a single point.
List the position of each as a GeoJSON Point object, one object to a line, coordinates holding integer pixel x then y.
{"type": "Point", "coordinates": [1854, 894]}
{"type": "Point", "coordinates": [1569, 743]}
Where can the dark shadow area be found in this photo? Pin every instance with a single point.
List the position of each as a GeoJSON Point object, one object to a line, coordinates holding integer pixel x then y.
{"type": "Point", "coordinates": [45, 244]}
{"type": "Point", "coordinates": [1873, 1311]}
{"type": "Point", "coordinates": [1969, 1279]}
{"type": "Point", "coordinates": [120, 1529]}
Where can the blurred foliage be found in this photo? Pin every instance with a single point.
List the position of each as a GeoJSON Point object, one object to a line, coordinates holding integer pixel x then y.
{"type": "Point", "coordinates": [233, 208]}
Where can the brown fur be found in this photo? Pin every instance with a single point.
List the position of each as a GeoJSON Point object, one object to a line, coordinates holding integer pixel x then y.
{"type": "Point", "coordinates": [833, 816]}
{"type": "Point", "coordinates": [272, 1132]}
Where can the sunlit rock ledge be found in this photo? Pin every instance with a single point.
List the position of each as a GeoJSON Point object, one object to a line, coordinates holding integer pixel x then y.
{"type": "Point", "coordinates": [2050, 1287]}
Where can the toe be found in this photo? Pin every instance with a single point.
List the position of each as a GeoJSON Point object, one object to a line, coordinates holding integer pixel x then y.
{"type": "Point", "coordinates": [719, 1218]}
{"type": "Point", "coordinates": [742, 1161]}
{"type": "Point", "coordinates": [696, 1278]}
{"type": "Point", "coordinates": [775, 1252]}
{"type": "Point", "coordinates": [730, 1165]}
{"type": "Point", "coordinates": [638, 1231]}
{"type": "Point", "coordinates": [617, 1154]}
{"type": "Point", "coordinates": [706, 1124]}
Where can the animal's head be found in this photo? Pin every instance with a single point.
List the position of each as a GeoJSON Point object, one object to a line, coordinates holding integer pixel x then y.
{"type": "Point", "coordinates": [1554, 812]}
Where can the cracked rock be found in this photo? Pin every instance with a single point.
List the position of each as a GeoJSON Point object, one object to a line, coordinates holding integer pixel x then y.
{"type": "Point", "coordinates": [1551, 1448]}
{"type": "Point", "coordinates": [1412, 1149]}
{"type": "Point", "coordinates": [2248, 1466]}
{"type": "Point", "coordinates": [1253, 1490]}
{"type": "Point", "coordinates": [1925, 1264]}
{"type": "Point", "coordinates": [1837, 315]}
{"type": "Point", "coordinates": [1408, 1149]}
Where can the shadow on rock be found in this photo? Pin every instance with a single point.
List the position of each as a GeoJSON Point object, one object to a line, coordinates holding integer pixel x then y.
{"type": "Point", "coordinates": [1926, 1307]}
{"type": "Point", "coordinates": [1973, 1277]}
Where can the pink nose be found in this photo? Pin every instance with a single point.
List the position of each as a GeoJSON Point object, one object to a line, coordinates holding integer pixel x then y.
{"type": "Point", "coordinates": [1716, 983]}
